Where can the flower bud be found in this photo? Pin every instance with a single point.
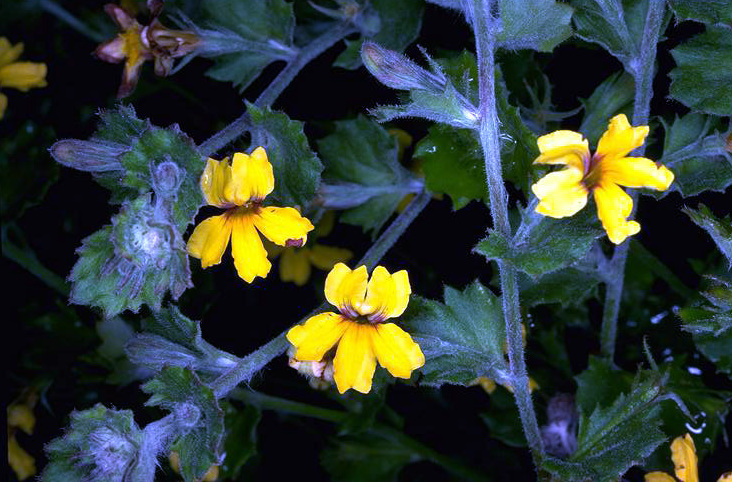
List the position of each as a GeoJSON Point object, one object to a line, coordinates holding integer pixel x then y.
{"type": "Point", "coordinates": [397, 71]}
{"type": "Point", "coordinates": [90, 156]}
{"type": "Point", "coordinates": [167, 178]}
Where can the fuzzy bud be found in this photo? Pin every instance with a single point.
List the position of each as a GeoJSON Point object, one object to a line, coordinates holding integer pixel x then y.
{"type": "Point", "coordinates": [90, 156]}
{"type": "Point", "coordinates": [167, 178]}
{"type": "Point", "coordinates": [397, 71]}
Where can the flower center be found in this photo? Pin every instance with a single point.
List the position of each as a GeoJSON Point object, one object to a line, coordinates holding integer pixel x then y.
{"type": "Point", "coordinates": [593, 173]}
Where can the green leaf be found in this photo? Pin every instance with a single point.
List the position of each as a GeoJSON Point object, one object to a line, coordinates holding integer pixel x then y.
{"type": "Point", "coordinates": [134, 261]}
{"type": "Point", "coordinates": [399, 25]}
{"type": "Point", "coordinates": [719, 229]}
{"type": "Point", "coordinates": [533, 24]}
{"type": "Point", "coordinates": [366, 458]}
{"type": "Point", "coordinates": [699, 159]}
{"type": "Point", "coordinates": [362, 173]}
{"type": "Point", "coordinates": [706, 11]}
{"type": "Point", "coordinates": [600, 384]}
{"type": "Point", "coordinates": [616, 436]}
{"type": "Point", "coordinates": [462, 339]}
{"type": "Point", "coordinates": [568, 286]}
{"type": "Point", "coordinates": [241, 439]}
{"type": "Point", "coordinates": [296, 167]}
{"type": "Point", "coordinates": [702, 79]}
{"type": "Point", "coordinates": [247, 36]}
{"type": "Point", "coordinates": [503, 420]}
{"type": "Point", "coordinates": [100, 444]}
{"type": "Point", "coordinates": [197, 411]}
{"type": "Point", "coordinates": [613, 96]}
{"type": "Point", "coordinates": [543, 244]}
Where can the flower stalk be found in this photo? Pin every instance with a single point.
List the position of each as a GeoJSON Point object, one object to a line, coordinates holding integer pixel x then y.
{"type": "Point", "coordinates": [642, 105]}
{"type": "Point", "coordinates": [485, 25]}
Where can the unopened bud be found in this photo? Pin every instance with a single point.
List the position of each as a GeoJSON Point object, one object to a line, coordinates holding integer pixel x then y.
{"type": "Point", "coordinates": [397, 71]}
{"type": "Point", "coordinates": [318, 373]}
{"type": "Point", "coordinates": [167, 177]}
{"type": "Point", "coordinates": [90, 156]}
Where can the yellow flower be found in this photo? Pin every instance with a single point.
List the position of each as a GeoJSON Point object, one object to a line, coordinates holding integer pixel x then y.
{"type": "Point", "coordinates": [240, 187]}
{"type": "Point", "coordinates": [18, 75]}
{"type": "Point", "coordinates": [359, 330]}
{"type": "Point", "coordinates": [563, 193]}
{"type": "Point", "coordinates": [211, 475]}
{"type": "Point", "coordinates": [683, 454]}
{"type": "Point", "coordinates": [20, 416]}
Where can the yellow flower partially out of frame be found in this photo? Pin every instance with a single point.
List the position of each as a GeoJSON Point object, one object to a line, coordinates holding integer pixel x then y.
{"type": "Point", "coordinates": [683, 454]}
{"type": "Point", "coordinates": [240, 187]}
{"type": "Point", "coordinates": [18, 75]}
{"type": "Point", "coordinates": [563, 193]}
{"type": "Point", "coordinates": [359, 331]}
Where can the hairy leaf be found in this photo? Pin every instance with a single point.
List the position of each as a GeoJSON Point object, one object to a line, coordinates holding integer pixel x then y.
{"type": "Point", "coordinates": [534, 24]}
{"type": "Point", "coordinates": [706, 11]}
{"type": "Point", "coordinates": [719, 229]}
{"type": "Point", "coordinates": [366, 458]}
{"type": "Point", "coordinates": [241, 439]}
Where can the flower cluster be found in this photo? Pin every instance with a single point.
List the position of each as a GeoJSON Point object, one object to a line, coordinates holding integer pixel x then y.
{"type": "Point", "coordinates": [18, 75]}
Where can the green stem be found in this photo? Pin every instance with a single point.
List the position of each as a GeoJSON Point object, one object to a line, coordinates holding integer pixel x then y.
{"type": "Point", "coordinates": [641, 111]}
{"type": "Point", "coordinates": [268, 402]}
{"type": "Point", "coordinates": [485, 26]}
{"type": "Point", "coordinates": [273, 90]}
{"type": "Point", "coordinates": [255, 361]}
{"type": "Point", "coordinates": [28, 260]}
{"type": "Point", "coordinates": [65, 16]}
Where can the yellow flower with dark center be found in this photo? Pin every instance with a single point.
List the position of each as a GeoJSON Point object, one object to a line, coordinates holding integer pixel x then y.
{"type": "Point", "coordinates": [360, 333]}
{"type": "Point", "coordinates": [17, 75]}
{"type": "Point", "coordinates": [683, 454]}
{"type": "Point", "coordinates": [240, 187]}
{"type": "Point", "coordinates": [563, 193]}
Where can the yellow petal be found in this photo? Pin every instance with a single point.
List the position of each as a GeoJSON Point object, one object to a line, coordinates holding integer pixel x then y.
{"type": "Point", "coordinates": [295, 266]}
{"type": "Point", "coordinates": [620, 138]}
{"type": "Point", "coordinates": [325, 257]}
{"type": "Point", "coordinates": [658, 477]}
{"type": "Point", "coordinates": [252, 177]}
{"type": "Point", "coordinates": [560, 193]}
{"type": "Point", "coordinates": [209, 240]}
{"type": "Point", "coordinates": [563, 147]}
{"type": "Point", "coordinates": [20, 461]}
{"type": "Point", "coordinates": [486, 383]}
{"type": "Point", "coordinates": [726, 477]}
{"type": "Point", "coordinates": [9, 53]}
{"type": "Point", "coordinates": [396, 351]}
{"type": "Point", "coordinates": [613, 208]}
{"type": "Point", "coordinates": [318, 335]}
{"type": "Point", "coordinates": [346, 289]}
{"type": "Point", "coordinates": [283, 226]}
{"type": "Point", "coordinates": [387, 295]}
{"type": "Point", "coordinates": [3, 105]}
{"type": "Point", "coordinates": [250, 257]}
{"type": "Point", "coordinates": [214, 180]}
{"type": "Point", "coordinates": [355, 362]}
{"type": "Point", "coordinates": [683, 453]}
{"type": "Point", "coordinates": [637, 172]}
{"type": "Point", "coordinates": [21, 416]}
{"type": "Point", "coordinates": [23, 75]}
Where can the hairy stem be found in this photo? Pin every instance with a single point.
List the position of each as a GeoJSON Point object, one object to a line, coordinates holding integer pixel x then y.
{"type": "Point", "coordinates": [255, 361]}
{"type": "Point", "coordinates": [279, 84]}
{"type": "Point", "coordinates": [641, 111]}
{"type": "Point", "coordinates": [485, 25]}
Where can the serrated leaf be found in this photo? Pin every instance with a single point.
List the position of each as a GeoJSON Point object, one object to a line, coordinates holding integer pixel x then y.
{"type": "Point", "coordinates": [195, 406]}
{"type": "Point", "coordinates": [263, 28]}
{"type": "Point", "coordinates": [543, 244]}
{"type": "Point", "coordinates": [362, 173]}
{"type": "Point", "coordinates": [600, 384]}
{"type": "Point", "coordinates": [366, 458]}
{"type": "Point", "coordinates": [613, 96]}
{"type": "Point", "coordinates": [296, 167]}
{"type": "Point", "coordinates": [399, 25]}
{"type": "Point", "coordinates": [568, 286]}
{"type": "Point", "coordinates": [702, 79]}
{"type": "Point", "coordinates": [706, 11]}
{"type": "Point", "coordinates": [462, 339]}
{"type": "Point", "coordinates": [533, 24]}
{"type": "Point", "coordinates": [171, 339]}
{"type": "Point", "coordinates": [719, 229]}
{"type": "Point", "coordinates": [241, 439]}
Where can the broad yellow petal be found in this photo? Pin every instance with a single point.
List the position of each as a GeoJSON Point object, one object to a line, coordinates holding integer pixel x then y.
{"type": "Point", "coordinates": [21, 416]}
{"type": "Point", "coordinates": [637, 172]}
{"type": "Point", "coordinates": [214, 180]}
{"type": "Point", "coordinates": [346, 288]}
{"type": "Point", "coordinates": [318, 335]}
{"type": "Point", "coordinates": [20, 461]}
{"type": "Point", "coordinates": [613, 208]}
{"type": "Point", "coordinates": [726, 477]}
{"type": "Point", "coordinates": [295, 266]}
{"type": "Point", "coordinates": [563, 147]}
{"type": "Point", "coordinates": [561, 193]}
{"type": "Point", "coordinates": [325, 257]}
{"type": "Point", "coordinates": [683, 453]}
{"type": "Point", "coordinates": [9, 53]}
{"type": "Point", "coordinates": [387, 295]}
{"type": "Point", "coordinates": [396, 351]}
{"type": "Point", "coordinates": [250, 257]}
{"type": "Point", "coordinates": [23, 75]}
{"type": "Point", "coordinates": [209, 240]}
{"type": "Point", "coordinates": [620, 138]}
{"type": "Point", "coordinates": [283, 226]}
{"type": "Point", "coordinates": [658, 477]}
{"type": "Point", "coordinates": [252, 177]}
{"type": "Point", "coordinates": [355, 362]}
